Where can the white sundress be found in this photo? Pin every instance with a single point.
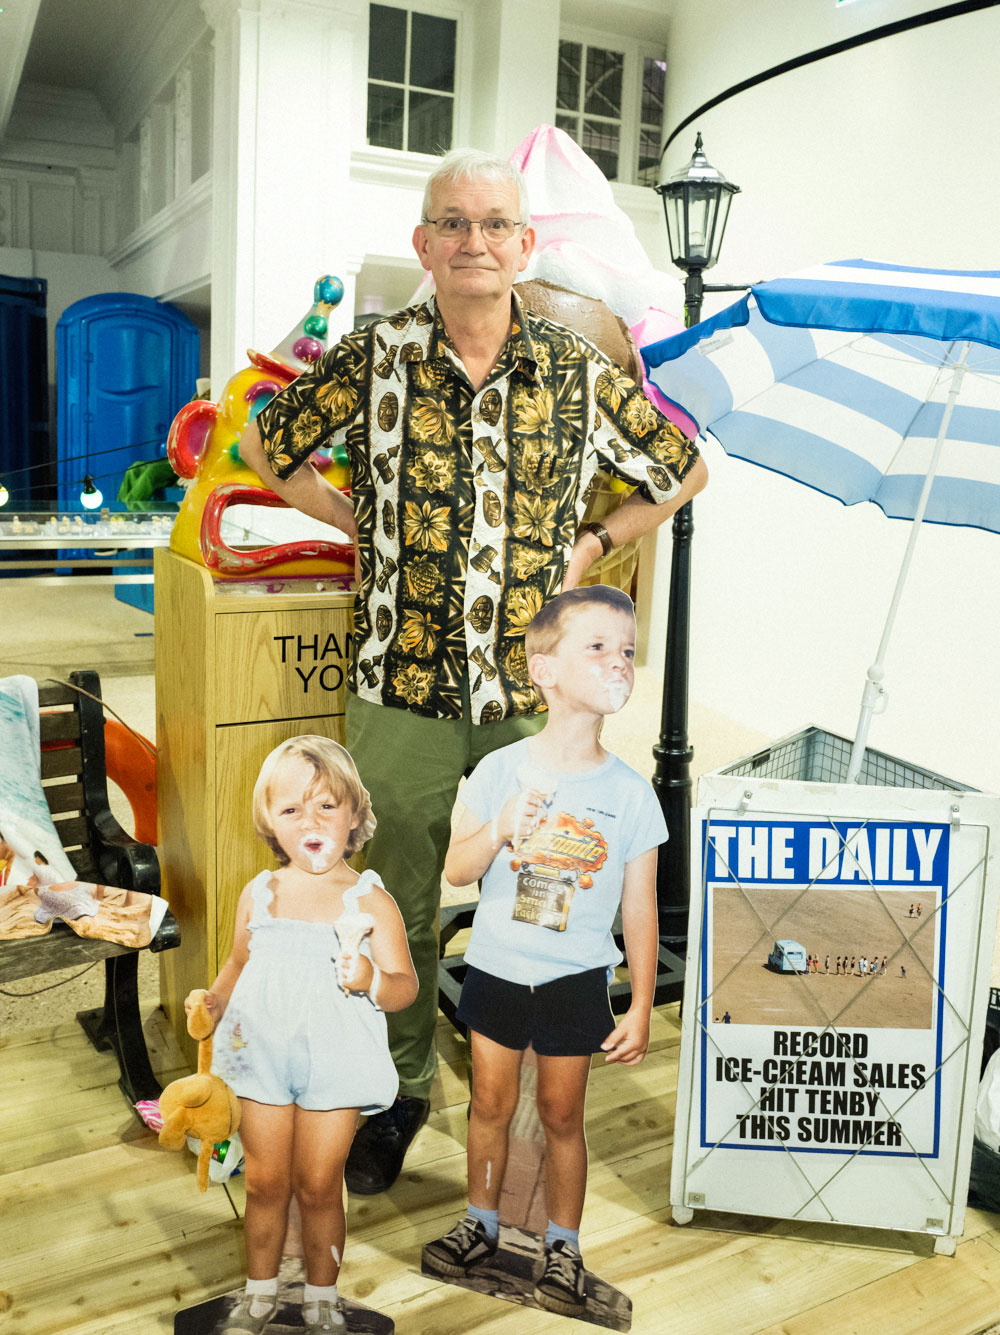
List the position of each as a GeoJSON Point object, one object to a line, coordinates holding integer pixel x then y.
{"type": "Point", "coordinates": [289, 1033]}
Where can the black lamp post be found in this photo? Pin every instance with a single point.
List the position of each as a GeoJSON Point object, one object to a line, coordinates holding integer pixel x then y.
{"type": "Point", "coordinates": [696, 203]}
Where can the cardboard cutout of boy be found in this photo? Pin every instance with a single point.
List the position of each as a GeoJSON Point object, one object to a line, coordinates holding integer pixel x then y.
{"type": "Point", "coordinates": [319, 953]}
{"type": "Point", "coordinates": [561, 833]}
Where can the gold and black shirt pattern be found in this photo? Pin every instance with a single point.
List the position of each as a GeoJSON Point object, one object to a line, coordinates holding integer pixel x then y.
{"type": "Point", "coordinates": [467, 502]}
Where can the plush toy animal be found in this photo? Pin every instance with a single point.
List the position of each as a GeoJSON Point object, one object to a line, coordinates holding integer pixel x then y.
{"type": "Point", "coordinates": [200, 1105]}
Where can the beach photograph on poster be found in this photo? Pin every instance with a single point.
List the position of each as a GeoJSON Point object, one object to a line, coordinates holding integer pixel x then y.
{"type": "Point", "coordinates": [865, 957]}
{"type": "Point", "coordinates": [821, 986]}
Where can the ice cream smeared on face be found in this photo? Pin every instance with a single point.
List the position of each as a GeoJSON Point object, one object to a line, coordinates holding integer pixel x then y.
{"type": "Point", "coordinates": [318, 851]}
{"type": "Point", "coordinates": [617, 688]}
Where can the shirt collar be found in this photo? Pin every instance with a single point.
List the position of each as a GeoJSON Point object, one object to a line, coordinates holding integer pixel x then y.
{"type": "Point", "coordinates": [518, 352]}
{"type": "Point", "coordinates": [520, 344]}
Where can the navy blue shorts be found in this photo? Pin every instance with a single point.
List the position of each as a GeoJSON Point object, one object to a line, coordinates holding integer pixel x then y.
{"type": "Point", "coordinates": [569, 1017]}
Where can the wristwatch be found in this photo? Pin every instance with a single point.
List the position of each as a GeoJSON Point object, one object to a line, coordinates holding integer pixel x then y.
{"type": "Point", "coordinates": [599, 532]}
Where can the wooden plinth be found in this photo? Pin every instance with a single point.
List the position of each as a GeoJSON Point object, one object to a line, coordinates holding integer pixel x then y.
{"type": "Point", "coordinates": [237, 672]}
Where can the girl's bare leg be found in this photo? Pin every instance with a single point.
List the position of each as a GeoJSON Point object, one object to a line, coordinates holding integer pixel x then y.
{"type": "Point", "coordinates": [320, 1146]}
{"type": "Point", "coordinates": [266, 1132]}
{"type": "Point", "coordinates": [495, 1075]}
{"type": "Point", "coordinates": [562, 1094]}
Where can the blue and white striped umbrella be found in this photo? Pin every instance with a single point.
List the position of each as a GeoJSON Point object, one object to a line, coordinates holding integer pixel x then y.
{"type": "Point", "coordinates": [838, 376]}
{"type": "Point", "coordinates": [868, 381]}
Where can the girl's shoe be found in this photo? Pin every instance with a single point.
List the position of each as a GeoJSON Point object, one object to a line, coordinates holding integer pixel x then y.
{"type": "Point", "coordinates": [242, 1323]}
{"type": "Point", "coordinates": [329, 1320]}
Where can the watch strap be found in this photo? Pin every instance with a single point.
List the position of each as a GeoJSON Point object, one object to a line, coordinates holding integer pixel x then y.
{"type": "Point", "coordinates": [601, 533]}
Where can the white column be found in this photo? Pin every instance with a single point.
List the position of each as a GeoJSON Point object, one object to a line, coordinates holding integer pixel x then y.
{"type": "Point", "coordinates": [145, 169]}
{"type": "Point", "coordinates": [161, 118]}
{"type": "Point", "coordinates": [515, 76]}
{"type": "Point", "coordinates": [280, 163]}
{"type": "Point", "coordinates": [182, 129]}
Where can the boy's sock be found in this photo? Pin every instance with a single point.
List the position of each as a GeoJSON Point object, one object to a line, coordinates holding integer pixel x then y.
{"type": "Point", "coordinates": [490, 1220]}
{"type": "Point", "coordinates": [262, 1293]}
{"type": "Point", "coordinates": [571, 1236]}
{"type": "Point", "coordinates": [313, 1295]}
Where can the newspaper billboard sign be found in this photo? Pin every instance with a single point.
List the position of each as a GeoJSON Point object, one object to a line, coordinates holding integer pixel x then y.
{"type": "Point", "coordinates": [840, 944]}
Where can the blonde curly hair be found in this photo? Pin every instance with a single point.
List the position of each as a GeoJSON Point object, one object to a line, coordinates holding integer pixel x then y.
{"type": "Point", "coordinates": [333, 768]}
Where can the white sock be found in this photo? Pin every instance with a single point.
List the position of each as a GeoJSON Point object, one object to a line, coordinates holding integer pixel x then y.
{"type": "Point", "coordinates": [262, 1293]}
{"type": "Point", "coordinates": [313, 1295]}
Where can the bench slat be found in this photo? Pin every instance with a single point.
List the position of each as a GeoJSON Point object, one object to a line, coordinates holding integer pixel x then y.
{"type": "Point", "coordinates": [60, 726]}
{"type": "Point", "coordinates": [65, 761]}
{"type": "Point", "coordinates": [61, 948]}
{"type": "Point", "coordinates": [82, 862]}
{"type": "Point", "coordinates": [52, 693]}
{"type": "Point", "coordinates": [64, 797]}
{"type": "Point", "coordinates": [72, 831]}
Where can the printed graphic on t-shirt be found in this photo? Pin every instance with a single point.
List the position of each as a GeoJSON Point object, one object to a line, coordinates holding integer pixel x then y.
{"type": "Point", "coordinates": [559, 856]}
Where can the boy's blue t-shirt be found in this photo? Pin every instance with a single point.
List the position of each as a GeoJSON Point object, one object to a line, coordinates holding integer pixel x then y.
{"type": "Point", "coordinates": [538, 918]}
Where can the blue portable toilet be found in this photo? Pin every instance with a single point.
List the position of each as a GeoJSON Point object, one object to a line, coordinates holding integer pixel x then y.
{"type": "Point", "coordinates": [125, 365]}
{"type": "Point", "coordinates": [27, 461]}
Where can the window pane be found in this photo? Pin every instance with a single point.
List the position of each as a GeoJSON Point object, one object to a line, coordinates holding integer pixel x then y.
{"type": "Point", "coordinates": [571, 124]}
{"type": "Point", "coordinates": [603, 91]}
{"type": "Point", "coordinates": [386, 43]}
{"type": "Point", "coordinates": [649, 157]}
{"type": "Point", "coordinates": [432, 52]}
{"type": "Point", "coordinates": [430, 123]}
{"type": "Point", "coordinates": [653, 82]}
{"type": "Point", "coordinates": [600, 141]}
{"type": "Point", "coordinates": [568, 80]}
{"type": "Point", "coordinates": [385, 116]}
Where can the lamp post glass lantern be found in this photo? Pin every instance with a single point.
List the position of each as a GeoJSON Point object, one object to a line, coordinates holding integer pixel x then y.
{"type": "Point", "coordinates": [696, 206]}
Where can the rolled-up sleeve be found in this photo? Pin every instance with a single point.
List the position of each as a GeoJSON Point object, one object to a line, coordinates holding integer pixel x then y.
{"type": "Point", "coordinates": [322, 401]}
{"type": "Point", "coordinates": [635, 442]}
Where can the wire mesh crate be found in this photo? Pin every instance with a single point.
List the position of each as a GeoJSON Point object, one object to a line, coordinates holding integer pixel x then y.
{"type": "Point", "coordinates": [815, 756]}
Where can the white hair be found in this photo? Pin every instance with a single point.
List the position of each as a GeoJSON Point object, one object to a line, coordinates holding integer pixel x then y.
{"type": "Point", "coordinates": [472, 164]}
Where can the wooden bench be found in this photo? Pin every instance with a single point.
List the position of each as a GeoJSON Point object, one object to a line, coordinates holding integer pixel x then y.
{"type": "Point", "coordinates": [76, 787]}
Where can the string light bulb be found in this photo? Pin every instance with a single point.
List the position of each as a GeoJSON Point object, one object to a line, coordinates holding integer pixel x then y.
{"type": "Point", "coordinates": [91, 497]}
{"type": "Point", "coordinates": [4, 494]}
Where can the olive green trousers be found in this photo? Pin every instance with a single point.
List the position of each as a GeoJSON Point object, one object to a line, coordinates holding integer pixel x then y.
{"type": "Point", "coordinates": [412, 767]}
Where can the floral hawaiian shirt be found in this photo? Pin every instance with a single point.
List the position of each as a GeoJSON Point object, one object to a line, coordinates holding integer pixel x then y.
{"type": "Point", "coordinates": [467, 501]}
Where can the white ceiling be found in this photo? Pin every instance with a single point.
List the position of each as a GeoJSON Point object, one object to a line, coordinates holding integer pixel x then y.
{"type": "Point", "coordinates": [79, 44]}
{"type": "Point", "coordinates": [89, 44]}
{"type": "Point", "coordinates": [73, 40]}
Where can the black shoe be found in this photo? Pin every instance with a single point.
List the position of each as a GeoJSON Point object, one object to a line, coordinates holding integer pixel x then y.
{"type": "Point", "coordinates": [458, 1251]}
{"type": "Point", "coordinates": [380, 1146]}
{"type": "Point", "coordinates": [560, 1288]}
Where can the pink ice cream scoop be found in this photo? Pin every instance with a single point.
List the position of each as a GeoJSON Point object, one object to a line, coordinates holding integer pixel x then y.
{"type": "Point", "coordinates": [585, 242]}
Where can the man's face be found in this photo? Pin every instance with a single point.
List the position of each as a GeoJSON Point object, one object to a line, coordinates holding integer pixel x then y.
{"type": "Point", "coordinates": [468, 266]}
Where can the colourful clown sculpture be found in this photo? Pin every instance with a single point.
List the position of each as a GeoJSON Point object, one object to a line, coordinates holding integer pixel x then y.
{"type": "Point", "coordinates": [203, 445]}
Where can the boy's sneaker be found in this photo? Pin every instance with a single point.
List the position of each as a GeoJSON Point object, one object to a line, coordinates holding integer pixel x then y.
{"type": "Point", "coordinates": [560, 1288]}
{"type": "Point", "coordinates": [457, 1252]}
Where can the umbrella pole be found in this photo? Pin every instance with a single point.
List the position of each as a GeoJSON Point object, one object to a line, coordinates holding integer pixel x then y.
{"type": "Point", "coordinates": [874, 692]}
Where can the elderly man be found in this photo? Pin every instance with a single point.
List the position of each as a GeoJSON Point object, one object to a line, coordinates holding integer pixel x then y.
{"type": "Point", "coordinates": [473, 430]}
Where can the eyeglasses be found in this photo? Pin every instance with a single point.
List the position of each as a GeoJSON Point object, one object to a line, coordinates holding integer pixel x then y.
{"type": "Point", "coordinates": [493, 229]}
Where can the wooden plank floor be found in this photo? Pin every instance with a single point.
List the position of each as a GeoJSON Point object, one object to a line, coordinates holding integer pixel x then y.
{"type": "Point", "coordinates": [103, 1233]}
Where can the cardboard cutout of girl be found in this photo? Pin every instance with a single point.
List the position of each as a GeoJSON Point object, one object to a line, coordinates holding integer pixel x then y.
{"type": "Point", "coordinates": [319, 953]}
